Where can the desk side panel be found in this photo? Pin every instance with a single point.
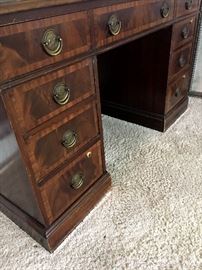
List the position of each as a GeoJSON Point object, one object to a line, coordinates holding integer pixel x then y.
{"type": "Point", "coordinates": [14, 181]}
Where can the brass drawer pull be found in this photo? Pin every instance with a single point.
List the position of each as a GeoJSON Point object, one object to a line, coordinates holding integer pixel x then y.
{"type": "Point", "coordinates": [61, 93]}
{"type": "Point", "coordinates": [182, 61]}
{"type": "Point", "coordinates": [185, 32]}
{"type": "Point", "coordinates": [114, 25]}
{"type": "Point", "coordinates": [188, 4]}
{"type": "Point", "coordinates": [177, 92]}
{"type": "Point", "coordinates": [77, 181]}
{"type": "Point", "coordinates": [165, 10]}
{"type": "Point", "coordinates": [69, 139]}
{"type": "Point", "coordinates": [52, 43]}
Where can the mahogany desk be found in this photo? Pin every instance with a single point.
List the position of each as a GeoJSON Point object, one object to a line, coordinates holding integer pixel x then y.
{"type": "Point", "coordinates": [62, 62]}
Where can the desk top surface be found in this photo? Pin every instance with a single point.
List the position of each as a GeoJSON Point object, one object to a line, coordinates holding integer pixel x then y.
{"type": "Point", "coordinates": [10, 6]}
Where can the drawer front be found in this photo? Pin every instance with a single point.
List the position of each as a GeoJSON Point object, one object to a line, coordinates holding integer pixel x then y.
{"type": "Point", "coordinates": [177, 90]}
{"type": "Point", "coordinates": [180, 60]}
{"type": "Point", "coordinates": [71, 182]}
{"type": "Point", "coordinates": [119, 21]}
{"type": "Point", "coordinates": [31, 45]}
{"type": "Point", "coordinates": [184, 7]}
{"type": "Point", "coordinates": [37, 101]}
{"type": "Point", "coordinates": [183, 32]}
{"type": "Point", "coordinates": [50, 147]}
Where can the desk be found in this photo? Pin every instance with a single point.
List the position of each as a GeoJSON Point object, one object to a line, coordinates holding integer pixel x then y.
{"type": "Point", "coordinates": [64, 62]}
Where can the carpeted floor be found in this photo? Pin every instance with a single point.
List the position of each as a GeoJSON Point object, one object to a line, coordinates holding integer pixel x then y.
{"type": "Point", "coordinates": [151, 219]}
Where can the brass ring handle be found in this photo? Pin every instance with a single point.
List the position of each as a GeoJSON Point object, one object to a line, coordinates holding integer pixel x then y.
{"type": "Point", "coordinates": [188, 4]}
{"type": "Point", "coordinates": [185, 32]}
{"type": "Point", "coordinates": [114, 25]}
{"type": "Point", "coordinates": [77, 181]}
{"type": "Point", "coordinates": [182, 61]}
{"type": "Point", "coordinates": [52, 43]}
{"type": "Point", "coordinates": [69, 139]}
{"type": "Point", "coordinates": [165, 10]}
{"type": "Point", "coordinates": [177, 92]}
{"type": "Point", "coordinates": [61, 93]}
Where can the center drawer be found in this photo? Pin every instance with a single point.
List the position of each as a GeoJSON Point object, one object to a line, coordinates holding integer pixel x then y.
{"type": "Point", "coordinates": [71, 182]}
{"type": "Point", "coordinates": [50, 147]}
{"type": "Point", "coordinates": [116, 22]}
{"type": "Point", "coordinates": [37, 101]}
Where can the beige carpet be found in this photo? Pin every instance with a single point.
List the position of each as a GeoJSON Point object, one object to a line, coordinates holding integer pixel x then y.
{"type": "Point", "coordinates": [151, 219]}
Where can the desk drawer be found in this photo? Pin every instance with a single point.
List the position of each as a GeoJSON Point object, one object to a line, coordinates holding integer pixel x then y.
{"type": "Point", "coordinates": [123, 20]}
{"type": "Point", "coordinates": [31, 45]}
{"type": "Point", "coordinates": [50, 147]}
{"type": "Point", "coordinates": [177, 90]}
{"type": "Point", "coordinates": [184, 7]}
{"type": "Point", "coordinates": [36, 101]}
{"type": "Point", "coordinates": [71, 182]}
{"type": "Point", "coordinates": [183, 32]}
{"type": "Point", "coordinates": [180, 60]}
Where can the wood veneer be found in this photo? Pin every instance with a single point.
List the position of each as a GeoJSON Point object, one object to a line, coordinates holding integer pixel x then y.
{"type": "Point", "coordinates": [136, 73]}
{"type": "Point", "coordinates": [180, 60]}
{"type": "Point", "coordinates": [57, 194]}
{"type": "Point", "coordinates": [14, 179]}
{"type": "Point", "coordinates": [133, 16]}
{"type": "Point", "coordinates": [32, 103]}
{"type": "Point", "coordinates": [183, 7]}
{"type": "Point", "coordinates": [183, 32]}
{"type": "Point", "coordinates": [15, 60]}
{"type": "Point", "coordinates": [41, 145]}
{"type": "Point", "coordinates": [177, 90]}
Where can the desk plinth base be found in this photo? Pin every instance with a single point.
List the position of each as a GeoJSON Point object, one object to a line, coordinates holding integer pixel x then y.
{"type": "Point", "coordinates": [155, 121]}
{"type": "Point", "coordinates": [51, 237]}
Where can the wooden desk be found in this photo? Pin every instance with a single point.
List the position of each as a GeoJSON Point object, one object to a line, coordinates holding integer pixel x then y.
{"type": "Point", "coordinates": [58, 60]}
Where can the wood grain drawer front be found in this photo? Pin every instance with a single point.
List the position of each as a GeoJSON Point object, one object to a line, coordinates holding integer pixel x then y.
{"type": "Point", "coordinates": [50, 147]}
{"type": "Point", "coordinates": [184, 7]}
{"type": "Point", "coordinates": [31, 45]}
{"type": "Point", "coordinates": [180, 60]}
{"type": "Point", "coordinates": [177, 90]}
{"type": "Point", "coordinates": [35, 102]}
{"type": "Point", "coordinates": [183, 32]}
{"type": "Point", "coordinates": [71, 182]}
{"type": "Point", "coordinates": [123, 20]}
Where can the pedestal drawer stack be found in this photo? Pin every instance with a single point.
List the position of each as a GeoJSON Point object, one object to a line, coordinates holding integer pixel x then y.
{"type": "Point", "coordinates": [55, 114]}
{"type": "Point", "coordinates": [181, 56]}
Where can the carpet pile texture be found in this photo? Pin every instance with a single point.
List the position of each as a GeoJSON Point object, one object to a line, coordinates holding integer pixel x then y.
{"type": "Point", "coordinates": [150, 220]}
